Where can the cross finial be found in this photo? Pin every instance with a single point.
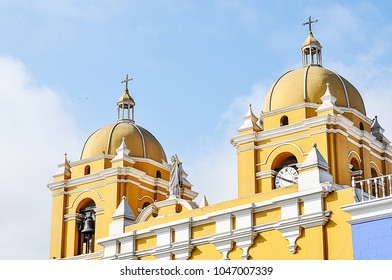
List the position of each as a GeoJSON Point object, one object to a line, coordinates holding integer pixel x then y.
{"type": "Point", "coordinates": [126, 81]}
{"type": "Point", "coordinates": [310, 23]}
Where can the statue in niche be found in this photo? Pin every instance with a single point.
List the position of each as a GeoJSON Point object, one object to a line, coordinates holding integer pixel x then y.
{"type": "Point", "coordinates": [175, 181]}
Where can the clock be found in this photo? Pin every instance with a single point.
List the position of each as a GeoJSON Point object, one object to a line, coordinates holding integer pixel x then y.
{"type": "Point", "coordinates": [286, 177]}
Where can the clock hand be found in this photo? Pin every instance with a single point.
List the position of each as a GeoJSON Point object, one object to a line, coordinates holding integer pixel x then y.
{"type": "Point", "coordinates": [287, 180]}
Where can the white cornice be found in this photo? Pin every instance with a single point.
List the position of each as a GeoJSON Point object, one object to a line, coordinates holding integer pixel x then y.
{"type": "Point", "coordinates": [88, 160]}
{"type": "Point", "coordinates": [347, 129]}
{"type": "Point", "coordinates": [190, 193]}
{"type": "Point", "coordinates": [240, 139]}
{"type": "Point", "coordinates": [304, 125]}
{"type": "Point", "coordinates": [103, 174]}
{"type": "Point", "coordinates": [369, 210]}
{"type": "Point", "coordinates": [290, 108]}
{"type": "Point", "coordinates": [356, 113]}
{"type": "Point", "coordinates": [153, 162]}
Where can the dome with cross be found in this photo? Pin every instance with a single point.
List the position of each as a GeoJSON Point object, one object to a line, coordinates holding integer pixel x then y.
{"type": "Point", "coordinates": [308, 83]}
{"type": "Point", "coordinates": [141, 143]}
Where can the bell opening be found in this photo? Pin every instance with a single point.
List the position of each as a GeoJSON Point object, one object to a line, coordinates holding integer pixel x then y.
{"type": "Point", "coordinates": [86, 229]}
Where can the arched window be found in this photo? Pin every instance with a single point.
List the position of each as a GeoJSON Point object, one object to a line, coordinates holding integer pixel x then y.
{"type": "Point", "coordinates": [284, 121]}
{"type": "Point", "coordinates": [285, 166]}
{"type": "Point", "coordinates": [361, 127]}
{"type": "Point", "coordinates": [145, 204]}
{"type": "Point", "coordinates": [355, 169]}
{"type": "Point", "coordinates": [87, 170]}
{"type": "Point", "coordinates": [354, 164]}
{"type": "Point", "coordinates": [158, 174]}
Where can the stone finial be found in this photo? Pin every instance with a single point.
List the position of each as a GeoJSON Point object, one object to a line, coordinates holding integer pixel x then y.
{"type": "Point", "coordinates": [376, 129]}
{"type": "Point", "coordinates": [122, 217]}
{"type": "Point", "coordinates": [123, 153]}
{"type": "Point", "coordinates": [67, 167]}
{"type": "Point", "coordinates": [203, 202]}
{"type": "Point", "coordinates": [250, 121]}
{"type": "Point", "coordinates": [328, 101]}
{"type": "Point", "coordinates": [314, 170]}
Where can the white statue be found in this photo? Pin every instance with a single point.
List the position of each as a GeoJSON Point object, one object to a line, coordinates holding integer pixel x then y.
{"type": "Point", "coordinates": [175, 181]}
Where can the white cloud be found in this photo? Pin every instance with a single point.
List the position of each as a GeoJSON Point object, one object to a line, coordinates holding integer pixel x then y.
{"type": "Point", "coordinates": [213, 170]}
{"type": "Point", "coordinates": [36, 130]}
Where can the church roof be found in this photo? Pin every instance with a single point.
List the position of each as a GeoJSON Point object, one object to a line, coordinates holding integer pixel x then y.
{"type": "Point", "coordinates": [139, 140]}
{"type": "Point", "coordinates": [307, 84]}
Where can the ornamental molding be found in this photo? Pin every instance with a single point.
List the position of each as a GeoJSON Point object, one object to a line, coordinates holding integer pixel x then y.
{"type": "Point", "coordinates": [101, 175]}
{"type": "Point", "coordinates": [377, 168]}
{"type": "Point", "coordinates": [83, 189]}
{"type": "Point", "coordinates": [355, 153]}
{"type": "Point", "coordinates": [240, 139]}
{"type": "Point", "coordinates": [164, 166]}
{"type": "Point", "coordinates": [292, 139]}
{"type": "Point", "coordinates": [278, 146]}
{"type": "Point", "coordinates": [92, 159]}
{"type": "Point", "coordinates": [290, 108]}
{"type": "Point", "coordinates": [369, 210]}
{"type": "Point", "coordinates": [304, 125]}
{"type": "Point", "coordinates": [265, 174]}
{"type": "Point", "coordinates": [356, 113]}
{"type": "Point", "coordinates": [146, 196]}
{"type": "Point", "coordinates": [83, 192]}
{"type": "Point", "coordinates": [104, 174]}
{"type": "Point", "coordinates": [290, 225]}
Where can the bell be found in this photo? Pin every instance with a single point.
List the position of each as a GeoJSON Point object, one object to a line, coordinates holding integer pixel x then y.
{"type": "Point", "coordinates": [88, 226]}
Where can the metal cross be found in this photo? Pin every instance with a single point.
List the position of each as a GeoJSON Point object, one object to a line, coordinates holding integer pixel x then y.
{"type": "Point", "coordinates": [126, 81]}
{"type": "Point", "coordinates": [310, 23]}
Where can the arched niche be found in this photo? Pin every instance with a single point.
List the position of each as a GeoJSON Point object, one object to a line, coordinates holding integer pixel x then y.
{"type": "Point", "coordinates": [85, 227]}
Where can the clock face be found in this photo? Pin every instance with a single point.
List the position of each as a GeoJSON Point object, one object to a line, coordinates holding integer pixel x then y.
{"type": "Point", "coordinates": [287, 176]}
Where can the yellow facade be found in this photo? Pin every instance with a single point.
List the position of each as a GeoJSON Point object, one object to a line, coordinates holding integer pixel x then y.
{"type": "Point", "coordinates": [274, 217]}
{"type": "Point", "coordinates": [100, 180]}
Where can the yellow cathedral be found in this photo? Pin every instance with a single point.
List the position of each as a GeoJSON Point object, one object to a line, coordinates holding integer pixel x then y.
{"type": "Point", "coordinates": [312, 174]}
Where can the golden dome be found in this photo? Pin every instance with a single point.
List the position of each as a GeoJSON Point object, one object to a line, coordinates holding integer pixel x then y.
{"type": "Point", "coordinates": [308, 84]}
{"type": "Point", "coordinates": [139, 140]}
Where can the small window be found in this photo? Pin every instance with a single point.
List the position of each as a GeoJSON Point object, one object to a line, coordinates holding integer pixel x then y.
{"type": "Point", "coordinates": [87, 170]}
{"type": "Point", "coordinates": [284, 121]}
{"type": "Point", "coordinates": [361, 127]}
{"type": "Point", "coordinates": [158, 174]}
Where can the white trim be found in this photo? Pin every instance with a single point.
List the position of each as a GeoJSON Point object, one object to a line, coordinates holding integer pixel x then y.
{"type": "Point", "coordinates": [245, 230]}
{"type": "Point", "coordinates": [146, 196]}
{"type": "Point", "coordinates": [378, 169]}
{"type": "Point", "coordinates": [142, 136]}
{"type": "Point", "coordinates": [344, 87]}
{"type": "Point", "coordinates": [151, 161]}
{"type": "Point", "coordinates": [82, 192]}
{"type": "Point", "coordinates": [278, 146]}
{"type": "Point", "coordinates": [84, 188]}
{"type": "Point", "coordinates": [369, 210]}
{"type": "Point", "coordinates": [243, 139]}
{"type": "Point", "coordinates": [354, 152]}
{"type": "Point", "coordinates": [290, 108]}
{"type": "Point", "coordinates": [265, 174]}
{"type": "Point", "coordinates": [91, 159]}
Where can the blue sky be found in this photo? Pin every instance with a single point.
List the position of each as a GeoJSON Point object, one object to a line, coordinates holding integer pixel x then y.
{"type": "Point", "coordinates": [196, 66]}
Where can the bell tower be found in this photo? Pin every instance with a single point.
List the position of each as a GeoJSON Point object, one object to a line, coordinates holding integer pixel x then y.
{"type": "Point", "coordinates": [311, 104]}
{"type": "Point", "coordinates": [121, 165]}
